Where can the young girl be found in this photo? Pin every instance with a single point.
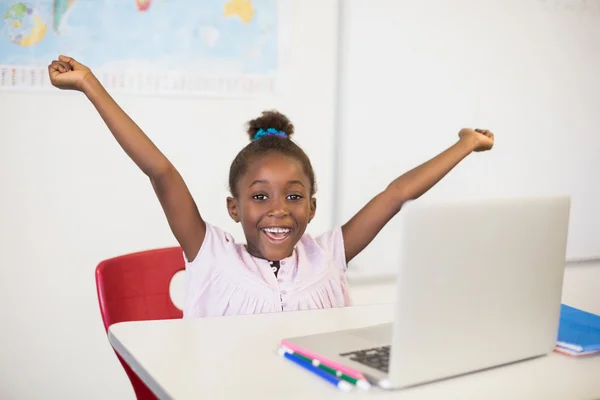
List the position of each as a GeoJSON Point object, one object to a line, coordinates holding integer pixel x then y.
{"type": "Point", "coordinates": [272, 186]}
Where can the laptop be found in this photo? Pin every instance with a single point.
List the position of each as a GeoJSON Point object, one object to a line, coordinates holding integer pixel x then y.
{"type": "Point", "coordinates": [479, 285]}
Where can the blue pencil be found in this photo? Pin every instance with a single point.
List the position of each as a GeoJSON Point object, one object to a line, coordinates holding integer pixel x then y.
{"type": "Point", "coordinates": [340, 384]}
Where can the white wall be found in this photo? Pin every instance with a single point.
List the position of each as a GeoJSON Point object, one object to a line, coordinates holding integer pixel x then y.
{"type": "Point", "coordinates": [71, 198]}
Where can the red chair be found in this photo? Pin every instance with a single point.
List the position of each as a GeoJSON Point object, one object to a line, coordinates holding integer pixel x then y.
{"type": "Point", "coordinates": [135, 287]}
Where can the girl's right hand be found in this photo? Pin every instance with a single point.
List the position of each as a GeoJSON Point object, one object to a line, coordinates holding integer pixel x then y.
{"type": "Point", "coordinates": [66, 73]}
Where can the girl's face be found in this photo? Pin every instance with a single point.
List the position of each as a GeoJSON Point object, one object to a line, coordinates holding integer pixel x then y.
{"type": "Point", "coordinates": [273, 204]}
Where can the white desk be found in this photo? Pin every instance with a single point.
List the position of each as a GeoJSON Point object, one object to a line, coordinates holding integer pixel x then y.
{"type": "Point", "coordinates": [235, 358]}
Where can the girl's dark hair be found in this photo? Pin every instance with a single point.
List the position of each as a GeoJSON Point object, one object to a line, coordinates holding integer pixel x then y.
{"type": "Point", "coordinates": [275, 122]}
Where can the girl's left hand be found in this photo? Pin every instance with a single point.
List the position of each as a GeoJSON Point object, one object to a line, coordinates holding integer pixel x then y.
{"type": "Point", "coordinates": [479, 139]}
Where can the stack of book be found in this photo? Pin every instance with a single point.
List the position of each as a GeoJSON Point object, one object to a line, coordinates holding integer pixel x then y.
{"type": "Point", "coordinates": [578, 332]}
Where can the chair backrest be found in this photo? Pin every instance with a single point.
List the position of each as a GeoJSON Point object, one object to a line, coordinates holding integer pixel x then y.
{"type": "Point", "coordinates": [136, 287]}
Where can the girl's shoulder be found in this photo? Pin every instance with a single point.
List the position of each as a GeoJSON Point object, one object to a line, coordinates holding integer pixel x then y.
{"type": "Point", "coordinates": [329, 244]}
{"type": "Point", "coordinates": [216, 243]}
{"type": "Point", "coordinates": [326, 240]}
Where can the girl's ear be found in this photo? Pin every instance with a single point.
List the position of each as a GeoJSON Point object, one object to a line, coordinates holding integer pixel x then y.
{"type": "Point", "coordinates": [232, 208]}
{"type": "Point", "coordinates": [313, 209]}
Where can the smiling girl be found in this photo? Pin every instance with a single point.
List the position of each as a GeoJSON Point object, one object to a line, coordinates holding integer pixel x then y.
{"type": "Point", "coordinates": [272, 184]}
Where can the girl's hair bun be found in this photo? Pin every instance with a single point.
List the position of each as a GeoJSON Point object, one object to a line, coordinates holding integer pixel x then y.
{"type": "Point", "coordinates": [270, 123]}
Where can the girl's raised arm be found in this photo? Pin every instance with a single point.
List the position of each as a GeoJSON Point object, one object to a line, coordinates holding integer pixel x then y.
{"type": "Point", "coordinates": [361, 229]}
{"type": "Point", "coordinates": [175, 198]}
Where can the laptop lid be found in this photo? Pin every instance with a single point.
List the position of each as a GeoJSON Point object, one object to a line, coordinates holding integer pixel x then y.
{"type": "Point", "coordinates": [479, 285]}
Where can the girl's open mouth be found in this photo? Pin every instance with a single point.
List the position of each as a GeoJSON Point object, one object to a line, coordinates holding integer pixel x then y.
{"type": "Point", "coordinates": [276, 234]}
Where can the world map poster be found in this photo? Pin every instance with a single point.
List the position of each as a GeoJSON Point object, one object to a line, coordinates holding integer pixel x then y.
{"type": "Point", "coordinates": [179, 47]}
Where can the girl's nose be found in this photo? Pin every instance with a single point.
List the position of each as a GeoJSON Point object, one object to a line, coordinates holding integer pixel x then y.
{"type": "Point", "coordinates": [278, 209]}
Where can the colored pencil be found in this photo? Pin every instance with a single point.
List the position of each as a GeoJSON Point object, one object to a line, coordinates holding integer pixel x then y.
{"type": "Point", "coordinates": [335, 365]}
{"type": "Point", "coordinates": [337, 382]}
{"type": "Point", "coordinates": [360, 383]}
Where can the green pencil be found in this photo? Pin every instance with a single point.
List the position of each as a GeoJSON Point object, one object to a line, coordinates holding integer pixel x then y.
{"type": "Point", "coordinates": [360, 383]}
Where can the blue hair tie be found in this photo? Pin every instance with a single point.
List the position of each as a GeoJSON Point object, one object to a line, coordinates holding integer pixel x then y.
{"type": "Point", "coordinates": [269, 132]}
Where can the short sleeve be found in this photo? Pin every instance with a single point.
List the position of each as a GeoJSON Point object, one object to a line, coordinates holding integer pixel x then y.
{"type": "Point", "coordinates": [202, 270]}
{"type": "Point", "coordinates": [214, 242]}
{"type": "Point", "coordinates": [333, 243]}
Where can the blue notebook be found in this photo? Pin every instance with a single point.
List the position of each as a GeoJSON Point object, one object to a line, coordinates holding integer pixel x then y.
{"type": "Point", "coordinates": [578, 331]}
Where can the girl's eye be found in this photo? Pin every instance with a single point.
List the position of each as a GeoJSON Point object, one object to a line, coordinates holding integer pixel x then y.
{"type": "Point", "coordinates": [294, 197]}
{"type": "Point", "coordinates": [260, 197]}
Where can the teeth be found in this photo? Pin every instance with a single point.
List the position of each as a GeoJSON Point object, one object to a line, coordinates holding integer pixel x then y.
{"type": "Point", "coordinates": [276, 230]}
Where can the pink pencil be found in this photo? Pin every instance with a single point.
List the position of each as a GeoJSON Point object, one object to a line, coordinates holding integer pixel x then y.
{"type": "Point", "coordinates": [332, 364]}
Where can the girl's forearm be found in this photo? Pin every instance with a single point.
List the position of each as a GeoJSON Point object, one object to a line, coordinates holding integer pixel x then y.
{"type": "Point", "coordinates": [419, 180]}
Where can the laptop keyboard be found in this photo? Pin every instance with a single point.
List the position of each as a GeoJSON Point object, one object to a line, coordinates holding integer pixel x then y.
{"type": "Point", "coordinates": [377, 358]}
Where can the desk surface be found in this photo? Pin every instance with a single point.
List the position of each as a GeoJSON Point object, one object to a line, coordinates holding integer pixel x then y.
{"type": "Point", "coordinates": [235, 358]}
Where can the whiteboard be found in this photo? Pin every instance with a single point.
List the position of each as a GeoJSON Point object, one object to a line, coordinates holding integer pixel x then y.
{"type": "Point", "coordinates": [418, 71]}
